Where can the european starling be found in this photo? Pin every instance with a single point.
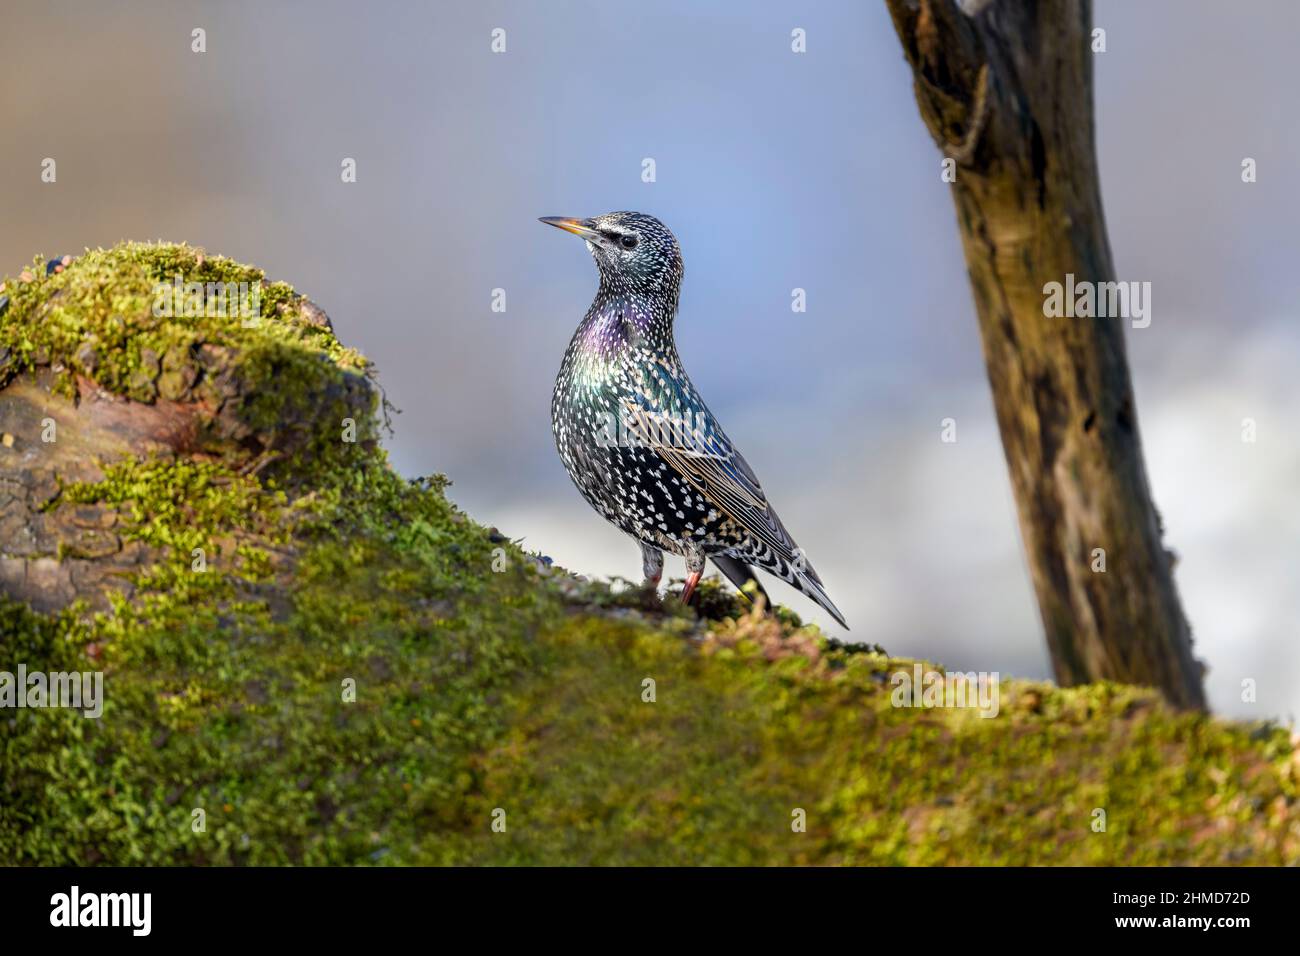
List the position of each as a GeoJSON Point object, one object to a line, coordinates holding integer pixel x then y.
{"type": "Point", "coordinates": [637, 439]}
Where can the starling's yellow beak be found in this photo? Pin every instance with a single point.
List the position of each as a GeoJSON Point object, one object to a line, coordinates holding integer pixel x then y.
{"type": "Point", "coordinates": [579, 227]}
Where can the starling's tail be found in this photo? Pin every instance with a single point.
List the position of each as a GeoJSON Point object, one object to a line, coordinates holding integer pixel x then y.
{"type": "Point", "coordinates": [742, 576]}
{"type": "Point", "coordinates": [811, 585]}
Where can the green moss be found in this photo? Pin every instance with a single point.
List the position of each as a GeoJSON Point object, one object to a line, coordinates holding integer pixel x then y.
{"type": "Point", "coordinates": [484, 682]}
{"type": "Point", "coordinates": [106, 300]}
{"type": "Point", "coordinates": [241, 346]}
{"type": "Point", "coordinates": [738, 739]}
{"type": "Point", "coordinates": [217, 684]}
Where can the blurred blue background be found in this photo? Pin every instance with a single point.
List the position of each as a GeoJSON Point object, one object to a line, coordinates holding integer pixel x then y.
{"type": "Point", "coordinates": [776, 170]}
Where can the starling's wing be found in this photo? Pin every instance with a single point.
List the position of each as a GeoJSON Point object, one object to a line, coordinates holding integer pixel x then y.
{"type": "Point", "coordinates": [665, 414]}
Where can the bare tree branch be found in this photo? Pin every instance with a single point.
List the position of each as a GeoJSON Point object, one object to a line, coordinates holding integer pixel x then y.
{"type": "Point", "coordinates": [1005, 89]}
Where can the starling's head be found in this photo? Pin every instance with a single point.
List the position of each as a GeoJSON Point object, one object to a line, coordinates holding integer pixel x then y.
{"type": "Point", "coordinates": [634, 252]}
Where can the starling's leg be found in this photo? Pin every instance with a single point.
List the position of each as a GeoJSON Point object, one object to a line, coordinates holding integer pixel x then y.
{"type": "Point", "coordinates": [652, 564]}
{"type": "Point", "coordinates": [694, 569]}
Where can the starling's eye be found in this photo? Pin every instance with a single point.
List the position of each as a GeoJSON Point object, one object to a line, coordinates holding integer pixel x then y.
{"type": "Point", "coordinates": [627, 242]}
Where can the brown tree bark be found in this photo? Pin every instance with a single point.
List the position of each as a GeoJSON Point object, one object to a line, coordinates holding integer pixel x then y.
{"type": "Point", "coordinates": [1005, 88]}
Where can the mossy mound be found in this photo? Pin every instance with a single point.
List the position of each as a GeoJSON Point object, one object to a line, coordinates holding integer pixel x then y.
{"type": "Point", "coordinates": [353, 672]}
{"type": "Point", "coordinates": [254, 366]}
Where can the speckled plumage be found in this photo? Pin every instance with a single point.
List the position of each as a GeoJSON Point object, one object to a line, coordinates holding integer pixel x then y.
{"type": "Point", "coordinates": [636, 437]}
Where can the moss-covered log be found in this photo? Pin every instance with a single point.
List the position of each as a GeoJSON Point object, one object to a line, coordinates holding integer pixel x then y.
{"type": "Point", "coordinates": [357, 673]}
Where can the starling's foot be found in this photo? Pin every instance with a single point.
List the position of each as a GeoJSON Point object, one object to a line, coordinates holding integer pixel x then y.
{"type": "Point", "coordinates": [692, 579]}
